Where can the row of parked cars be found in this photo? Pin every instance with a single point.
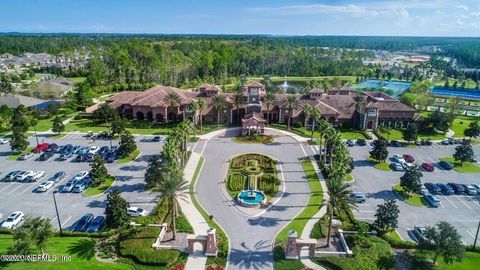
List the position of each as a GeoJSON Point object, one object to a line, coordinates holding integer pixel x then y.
{"type": "Point", "coordinates": [78, 183]}
{"type": "Point", "coordinates": [24, 176]}
{"type": "Point", "coordinates": [429, 190]}
{"type": "Point", "coordinates": [402, 162]}
{"type": "Point", "coordinates": [68, 151]}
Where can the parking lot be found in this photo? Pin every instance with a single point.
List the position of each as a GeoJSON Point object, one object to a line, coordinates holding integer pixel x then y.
{"type": "Point", "coordinates": [22, 196]}
{"type": "Point", "coordinates": [462, 211]}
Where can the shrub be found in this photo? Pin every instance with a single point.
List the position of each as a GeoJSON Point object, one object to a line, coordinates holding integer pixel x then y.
{"type": "Point", "coordinates": [298, 125]}
{"type": "Point", "coordinates": [236, 182]}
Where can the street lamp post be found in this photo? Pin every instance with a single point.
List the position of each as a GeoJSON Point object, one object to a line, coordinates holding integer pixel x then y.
{"type": "Point", "coordinates": [56, 210]}
{"type": "Point", "coordinates": [476, 236]}
{"type": "Point", "coordinates": [36, 135]}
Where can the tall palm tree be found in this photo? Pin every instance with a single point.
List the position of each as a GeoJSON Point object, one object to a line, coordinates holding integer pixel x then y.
{"type": "Point", "coordinates": [219, 103]}
{"type": "Point", "coordinates": [238, 99]}
{"type": "Point", "coordinates": [201, 106]}
{"type": "Point", "coordinates": [172, 99]}
{"type": "Point", "coordinates": [292, 104]}
{"type": "Point", "coordinates": [339, 200]}
{"type": "Point", "coordinates": [184, 130]}
{"type": "Point", "coordinates": [358, 98]}
{"type": "Point", "coordinates": [173, 187]}
{"type": "Point", "coordinates": [316, 115]}
{"type": "Point", "coordinates": [307, 111]}
{"type": "Point", "coordinates": [194, 108]}
{"type": "Point", "coordinates": [322, 128]}
{"type": "Point", "coordinates": [269, 101]}
{"type": "Point", "coordinates": [326, 86]}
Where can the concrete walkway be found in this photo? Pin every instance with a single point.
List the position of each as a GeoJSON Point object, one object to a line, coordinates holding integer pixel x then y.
{"type": "Point", "coordinates": [293, 135]}
{"type": "Point", "coordinates": [197, 260]}
{"type": "Point", "coordinates": [311, 223]}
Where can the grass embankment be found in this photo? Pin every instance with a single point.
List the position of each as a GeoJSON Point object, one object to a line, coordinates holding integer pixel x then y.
{"type": "Point", "coordinates": [222, 240]}
{"type": "Point", "coordinates": [130, 157]}
{"type": "Point", "coordinates": [466, 167]}
{"type": "Point", "coordinates": [412, 199]}
{"type": "Point", "coordinates": [80, 250]}
{"type": "Point", "coordinates": [383, 166]}
{"type": "Point", "coordinates": [94, 191]}
{"type": "Point", "coordinates": [397, 134]}
{"type": "Point", "coordinates": [460, 124]}
{"type": "Point", "coordinates": [16, 155]}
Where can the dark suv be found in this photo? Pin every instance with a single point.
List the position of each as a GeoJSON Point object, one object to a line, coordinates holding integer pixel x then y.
{"type": "Point", "coordinates": [457, 188]}
{"type": "Point", "coordinates": [433, 188]}
{"type": "Point", "coordinates": [445, 165]}
{"type": "Point", "coordinates": [446, 189]}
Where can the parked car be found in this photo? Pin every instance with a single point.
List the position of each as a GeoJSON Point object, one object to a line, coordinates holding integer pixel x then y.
{"type": "Point", "coordinates": [46, 155]}
{"type": "Point", "coordinates": [81, 157]}
{"type": "Point", "coordinates": [37, 176]}
{"type": "Point", "coordinates": [407, 166]}
{"type": "Point", "coordinates": [446, 189]}
{"type": "Point", "coordinates": [408, 158]}
{"type": "Point", "coordinates": [361, 142]}
{"type": "Point", "coordinates": [81, 175]}
{"type": "Point", "coordinates": [83, 223]}
{"type": "Point", "coordinates": [23, 176]}
{"type": "Point", "coordinates": [398, 158]}
{"type": "Point", "coordinates": [25, 156]}
{"type": "Point", "coordinates": [110, 157]}
{"type": "Point", "coordinates": [136, 212]}
{"type": "Point", "coordinates": [158, 139]}
{"type": "Point", "coordinates": [457, 188]}
{"type": "Point", "coordinates": [470, 190]}
{"type": "Point", "coordinates": [433, 188]}
{"type": "Point", "coordinates": [52, 148]}
{"type": "Point", "coordinates": [445, 165]}
{"type": "Point", "coordinates": [350, 142]}
{"type": "Point", "coordinates": [41, 147]}
{"type": "Point", "coordinates": [428, 142]}
{"type": "Point", "coordinates": [395, 143]}
{"type": "Point", "coordinates": [58, 176]}
{"type": "Point", "coordinates": [423, 190]}
{"type": "Point", "coordinates": [432, 200]}
{"type": "Point", "coordinates": [445, 142]}
{"type": "Point", "coordinates": [94, 149]}
{"type": "Point", "coordinates": [68, 187]}
{"type": "Point", "coordinates": [358, 197]}
{"type": "Point", "coordinates": [477, 187]}
{"type": "Point", "coordinates": [429, 167]}
{"type": "Point", "coordinates": [102, 150]}
{"type": "Point", "coordinates": [79, 187]}
{"type": "Point", "coordinates": [97, 225]}
{"type": "Point", "coordinates": [65, 156]}
{"type": "Point", "coordinates": [44, 186]}
{"type": "Point", "coordinates": [419, 233]}
{"type": "Point", "coordinates": [13, 220]}
{"type": "Point", "coordinates": [3, 141]}
{"type": "Point", "coordinates": [396, 166]}
{"type": "Point", "coordinates": [12, 176]}
{"type": "Point", "coordinates": [82, 150]}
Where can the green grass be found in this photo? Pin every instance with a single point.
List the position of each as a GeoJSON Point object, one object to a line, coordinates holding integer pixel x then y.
{"type": "Point", "coordinates": [414, 200]}
{"type": "Point", "coordinates": [395, 134]}
{"type": "Point", "coordinates": [351, 134]}
{"type": "Point", "coordinates": [466, 167]}
{"type": "Point", "coordinates": [293, 79]}
{"type": "Point", "coordinates": [93, 191]}
{"type": "Point", "coordinates": [77, 79]}
{"type": "Point", "coordinates": [313, 205]}
{"type": "Point", "coordinates": [346, 133]}
{"type": "Point", "coordinates": [471, 260]}
{"type": "Point", "coordinates": [16, 155]}
{"type": "Point", "coordinates": [222, 240]}
{"type": "Point", "coordinates": [460, 124]}
{"type": "Point", "coordinates": [130, 157]}
{"type": "Point", "coordinates": [42, 125]}
{"type": "Point", "coordinates": [383, 166]}
{"type": "Point", "coordinates": [430, 134]}
{"type": "Point", "coordinates": [349, 178]}
{"type": "Point", "coordinates": [57, 136]}
{"type": "Point", "coordinates": [80, 249]}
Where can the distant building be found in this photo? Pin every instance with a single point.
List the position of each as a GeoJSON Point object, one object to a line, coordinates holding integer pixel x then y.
{"type": "Point", "coordinates": [14, 101]}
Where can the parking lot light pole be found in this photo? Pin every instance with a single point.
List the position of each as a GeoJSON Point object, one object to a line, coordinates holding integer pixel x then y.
{"type": "Point", "coordinates": [36, 135]}
{"type": "Point", "coordinates": [58, 216]}
{"type": "Point", "coordinates": [476, 236]}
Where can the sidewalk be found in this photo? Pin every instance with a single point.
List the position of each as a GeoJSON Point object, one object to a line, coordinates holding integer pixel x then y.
{"type": "Point", "coordinates": [311, 223]}
{"type": "Point", "coordinates": [197, 260]}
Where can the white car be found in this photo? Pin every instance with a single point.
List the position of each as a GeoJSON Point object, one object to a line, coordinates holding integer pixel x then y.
{"type": "Point", "coordinates": [3, 141]}
{"type": "Point", "coordinates": [44, 186]}
{"type": "Point", "coordinates": [38, 175]}
{"type": "Point", "coordinates": [25, 175]}
{"type": "Point", "coordinates": [81, 175]}
{"type": "Point", "coordinates": [399, 158]}
{"type": "Point", "coordinates": [13, 220]}
{"type": "Point", "coordinates": [407, 166]}
{"type": "Point", "coordinates": [93, 149]}
{"type": "Point", "coordinates": [136, 212]}
{"type": "Point", "coordinates": [397, 166]}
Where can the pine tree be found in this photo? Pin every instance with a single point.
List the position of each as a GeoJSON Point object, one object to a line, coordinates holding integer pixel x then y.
{"type": "Point", "coordinates": [58, 126]}
{"type": "Point", "coordinates": [116, 210]}
{"type": "Point", "coordinates": [410, 181]}
{"type": "Point", "coordinates": [463, 152]}
{"type": "Point", "coordinates": [127, 144]}
{"type": "Point", "coordinates": [387, 216]}
{"type": "Point", "coordinates": [411, 133]}
{"type": "Point", "coordinates": [379, 151]}
{"type": "Point", "coordinates": [98, 171]}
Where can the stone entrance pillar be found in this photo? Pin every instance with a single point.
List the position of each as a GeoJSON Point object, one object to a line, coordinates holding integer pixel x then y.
{"type": "Point", "coordinates": [211, 249]}
{"type": "Point", "coordinates": [291, 252]}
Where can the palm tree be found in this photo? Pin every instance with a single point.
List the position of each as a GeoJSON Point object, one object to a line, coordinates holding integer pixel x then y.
{"type": "Point", "coordinates": [172, 99]}
{"type": "Point", "coordinates": [323, 127]}
{"type": "Point", "coordinates": [316, 115]}
{"type": "Point", "coordinates": [326, 86]}
{"type": "Point", "coordinates": [184, 130]}
{"type": "Point", "coordinates": [194, 108]}
{"type": "Point", "coordinates": [219, 103]}
{"type": "Point", "coordinates": [173, 187]}
{"type": "Point", "coordinates": [269, 101]}
{"type": "Point", "coordinates": [358, 99]}
{"type": "Point", "coordinates": [339, 200]}
{"type": "Point", "coordinates": [307, 111]}
{"type": "Point", "coordinates": [201, 106]}
{"type": "Point", "coordinates": [292, 104]}
{"type": "Point", "coordinates": [238, 99]}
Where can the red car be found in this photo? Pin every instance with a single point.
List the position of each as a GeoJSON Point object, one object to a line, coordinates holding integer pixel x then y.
{"type": "Point", "coordinates": [41, 147]}
{"type": "Point", "coordinates": [428, 167]}
{"type": "Point", "coordinates": [408, 158]}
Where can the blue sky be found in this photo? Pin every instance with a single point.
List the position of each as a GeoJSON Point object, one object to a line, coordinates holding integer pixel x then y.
{"type": "Point", "coordinates": [276, 17]}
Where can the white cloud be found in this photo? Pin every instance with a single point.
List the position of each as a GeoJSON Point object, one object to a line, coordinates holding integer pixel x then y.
{"type": "Point", "coordinates": [476, 14]}
{"type": "Point", "coordinates": [463, 7]}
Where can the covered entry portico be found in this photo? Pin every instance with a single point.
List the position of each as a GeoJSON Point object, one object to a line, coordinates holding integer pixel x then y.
{"type": "Point", "coordinates": [253, 123]}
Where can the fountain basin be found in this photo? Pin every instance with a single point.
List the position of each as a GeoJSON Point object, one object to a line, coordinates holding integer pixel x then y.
{"type": "Point", "coordinates": [251, 198]}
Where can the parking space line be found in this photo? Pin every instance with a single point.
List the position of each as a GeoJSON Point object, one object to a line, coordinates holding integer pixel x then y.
{"type": "Point", "coordinates": [7, 186]}
{"type": "Point", "coordinates": [366, 211]}
{"type": "Point", "coordinates": [63, 224]}
{"type": "Point", "coordinates": [305, 153]}
{"type": "Point", "coordinates": [463, 202]}
{"type": "Point", "coordinates": [313, 150]}
{"type": "Point", "coordinates": [53, 219]}
{"type": "Point", "coordinates": [28, 188]}
{"type": "Point", "coordinates": [13, 190]}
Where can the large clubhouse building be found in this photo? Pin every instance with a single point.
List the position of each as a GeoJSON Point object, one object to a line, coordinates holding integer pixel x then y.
{"type": "Point", "coordinates": [337, 107]}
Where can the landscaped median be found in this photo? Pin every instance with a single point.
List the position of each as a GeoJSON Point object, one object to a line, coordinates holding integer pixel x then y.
{"type": "Point", "coordinates": [94, 191]}
{"type": "Point", "coordinates": [414, 200]}
{"type": "Point", "coordinates": [466, 167]}
{"type": "Point", "coordinates": [383, 166]}
{"type": "Point", "coordinates": [16, 155]}
{"type": "Point", "coordinates": [299, 222]}
{"type": "Point", "coordinates": [130, 157]}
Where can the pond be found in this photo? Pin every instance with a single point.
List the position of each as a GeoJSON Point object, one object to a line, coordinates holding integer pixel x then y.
{"type": "Point", "coordinates": [396, 86]}
{"type": "Point", "coordinates": [288, 86]}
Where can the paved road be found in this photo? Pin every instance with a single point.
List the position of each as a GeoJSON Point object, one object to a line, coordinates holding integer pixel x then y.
{"type": "Point", "coordinates": [22, 196]}
{"type": "Point", "coordinates": [461, 211]}
{"type": "Point", "coordinates": [251, 238]}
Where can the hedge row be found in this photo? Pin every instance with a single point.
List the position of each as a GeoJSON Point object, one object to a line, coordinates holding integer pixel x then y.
{"type": "Point", "coordinates": [236, 182]}
{"type": "Point", "coordinates": [366, 134]}
{"type": "Point", "coordinates": [268, 183]}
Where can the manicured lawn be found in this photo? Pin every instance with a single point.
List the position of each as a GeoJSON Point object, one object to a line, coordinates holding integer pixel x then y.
{"type": "Point", "coordinates": [395, 134]}
{"type": "Point", "coordinates": [430, 134]}
{"type": "Point", "coordinates": [349, 178]}
{"type": "Point", "coordinates": [471, 260]}
{"type": "Point", "coordinates": [313, 205]}
{"type": "Point", "coordinates": [383, 166]}
{"type": "Point", "coordinates": [414, 200]}
{"type": "Point", "coordinates": [43, 125]}
{"type": "Point", "coordinates": [80, 249]}
{"type": "Point", "coordinates": [77, 79]}
{"type": "Point", "coordinates": [93, 191]}
{"type": "Point", "coordinates": [460, 124]}
{"type": "Point", "coordinates": [16, 155]}
{"type": "Point", "coordinates": [465, 168]}
{"type": "Point", "coordinates": [266, 139]}
{"type": "Point", "coordinates": [304, 79]}
{"type": "Point", "coordinates": [351, 134]}
{"type": "Point", "coordinates": [130, 157]}
{"type": "Point", "coordinates": [346, 133]}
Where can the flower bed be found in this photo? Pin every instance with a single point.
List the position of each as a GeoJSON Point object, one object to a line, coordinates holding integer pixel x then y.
{"type": "Point", "coordinates": [254, 139]}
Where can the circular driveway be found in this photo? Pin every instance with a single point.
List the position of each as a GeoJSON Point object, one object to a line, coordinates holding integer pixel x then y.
{"type": "Point", "coordinates": [251, 238]}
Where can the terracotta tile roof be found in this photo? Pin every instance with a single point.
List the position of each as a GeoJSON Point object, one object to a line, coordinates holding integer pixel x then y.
{"type": "Point", "coordinates": [253, 116]}
{"type": "Point", "coordinates": [254, 83]}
